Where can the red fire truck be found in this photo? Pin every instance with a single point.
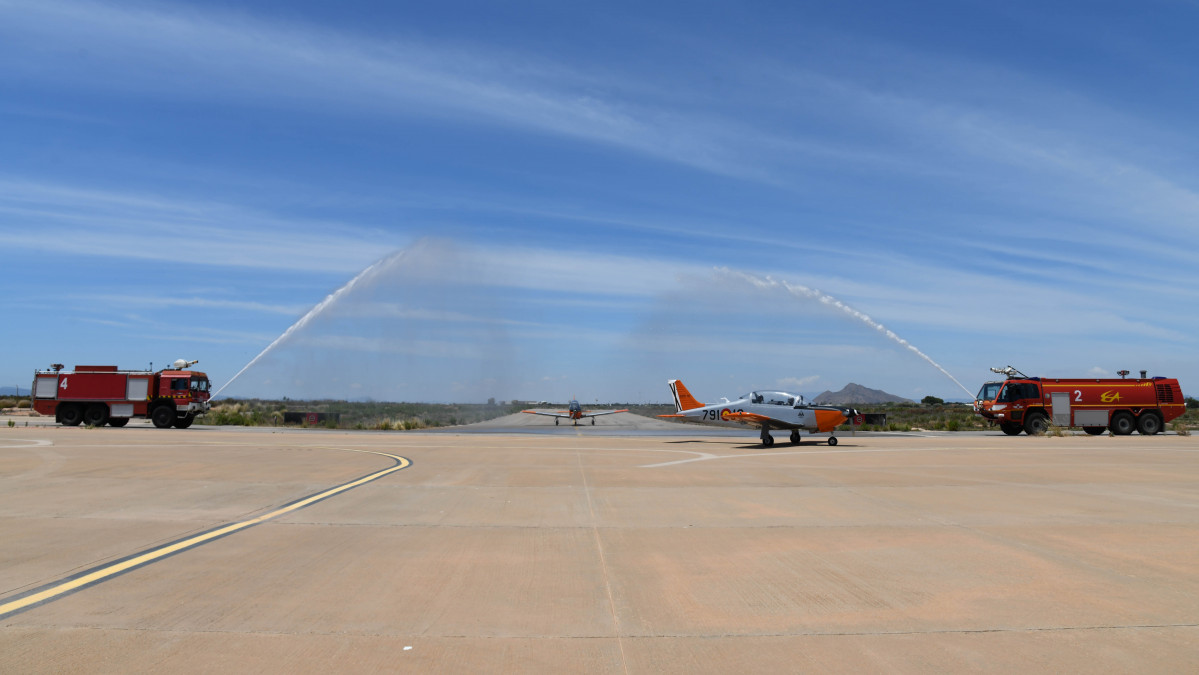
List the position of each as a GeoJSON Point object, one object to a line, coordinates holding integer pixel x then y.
{"type": "Point", "coordinates": [1030, 404]}
{"type": "Point", "coordinates": [99, 395]}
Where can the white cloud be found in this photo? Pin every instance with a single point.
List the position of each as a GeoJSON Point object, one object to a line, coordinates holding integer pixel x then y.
{"type": "Point", "coordinates": [798, 383]}
{"type": "Point", "coordinates": [147, 301]}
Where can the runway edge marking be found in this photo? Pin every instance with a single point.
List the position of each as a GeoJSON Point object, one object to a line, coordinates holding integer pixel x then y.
{"type": "Point", "coordinates": [95, 575]}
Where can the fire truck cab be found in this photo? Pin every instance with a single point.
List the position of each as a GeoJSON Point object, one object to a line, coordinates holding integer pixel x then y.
{"type": "Point", "coordinates": [1031, 404]}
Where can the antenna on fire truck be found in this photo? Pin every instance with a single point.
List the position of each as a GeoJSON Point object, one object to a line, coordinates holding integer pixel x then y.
{"type": "Point", "coordinates": [1009, 371]}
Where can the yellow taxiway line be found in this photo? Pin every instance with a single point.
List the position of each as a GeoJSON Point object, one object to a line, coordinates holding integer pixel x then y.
{"type": "Point", "coordinates": [56, 589]}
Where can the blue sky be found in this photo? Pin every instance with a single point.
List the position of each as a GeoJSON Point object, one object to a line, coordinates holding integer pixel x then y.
{"type": "Point", "coordinates": [585, 200]}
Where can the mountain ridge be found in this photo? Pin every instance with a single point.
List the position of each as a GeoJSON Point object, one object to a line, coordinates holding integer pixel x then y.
{"type": "Point", "coordinates": [856, 394]}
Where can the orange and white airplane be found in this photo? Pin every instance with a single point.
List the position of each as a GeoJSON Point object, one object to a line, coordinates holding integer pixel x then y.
{"type": "Point", "coordinates": [575, 413]}
{"type": "Point", "coordinates": [764, 409]}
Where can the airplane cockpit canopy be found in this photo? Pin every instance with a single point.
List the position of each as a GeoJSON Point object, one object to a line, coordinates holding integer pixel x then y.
{"type": "Point", "coordinates": [773, 398]}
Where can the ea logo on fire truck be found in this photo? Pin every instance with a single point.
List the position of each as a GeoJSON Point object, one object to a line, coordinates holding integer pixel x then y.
{"type": "Point", "coordinates": [1110, 397]}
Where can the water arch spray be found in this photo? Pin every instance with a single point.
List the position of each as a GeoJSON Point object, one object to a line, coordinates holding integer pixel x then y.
{"type": "Point", "coordinates": [363, 277]}
{"type": "Point", "coordinates": [805, 292]}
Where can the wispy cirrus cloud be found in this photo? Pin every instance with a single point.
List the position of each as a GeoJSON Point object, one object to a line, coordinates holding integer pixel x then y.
{"type": "Point", "coordinates": [64, 219]}
{"type": "Point", "coordinates": [183, 52]}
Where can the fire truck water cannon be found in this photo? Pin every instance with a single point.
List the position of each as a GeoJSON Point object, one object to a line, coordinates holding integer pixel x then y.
{"type": "Point", "coordinates": [99, 395]}
{"type": "Point", "coordinates": [1031, 404]}
{"type": "Point", "coordinates": [1009, 371]}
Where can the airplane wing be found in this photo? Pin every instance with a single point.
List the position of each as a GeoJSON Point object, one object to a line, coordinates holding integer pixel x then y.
{"type": "Point", "coordinates": [588, 413]}
{"type": "Point", "coordinates": [561, 413]}
{"type": "Point", "coordinates": [760, 420]}
{"type": "Point", "coordinates": [826, 420]}
{"type": "Point", "coordinates": [747, 418]}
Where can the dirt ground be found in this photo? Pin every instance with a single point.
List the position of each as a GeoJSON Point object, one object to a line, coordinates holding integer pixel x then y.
{"type": "Point", "coordinates": [575, 550]}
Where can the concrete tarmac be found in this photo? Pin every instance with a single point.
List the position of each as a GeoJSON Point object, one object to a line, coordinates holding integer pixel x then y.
{"type": "Point", "coordinates": [582, 551]}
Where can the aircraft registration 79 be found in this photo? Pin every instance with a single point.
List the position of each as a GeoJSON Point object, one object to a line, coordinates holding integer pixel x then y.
{"type": "Point", "coordinates": [764, 409]}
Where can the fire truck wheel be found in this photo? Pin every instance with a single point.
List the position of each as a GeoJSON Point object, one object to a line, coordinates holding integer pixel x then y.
{"type": "Point", "coordinates": [1094, 431]}
{"type": "Point", "coordinates": [184, 422]}
{"type": "Point", "coordinates": [96, 415]}
{"type": "Point", "coordinates": [1036, 423]}
{"type": "Point", "coordinates": [70, 414]}
{"type": "Point", "coordinates": [1011, 428]}
{"type": "Point", "coordinates": [163, 416]}
{"type": "Point", "coordinates": [1122, 423]}
{"type": "Point", "coordinates": [1149, 424]}
{"type": "Point", "coordinates": [118, 421]}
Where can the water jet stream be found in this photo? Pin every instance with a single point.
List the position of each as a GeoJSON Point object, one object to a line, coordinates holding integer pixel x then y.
{"type": "Point", "coordinates": [801, 291]}
{"type": "Point", "coordinates": [366, 274]}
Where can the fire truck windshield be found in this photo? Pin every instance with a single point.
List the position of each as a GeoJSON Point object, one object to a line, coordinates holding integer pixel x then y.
{"type": "Point", "coordinates": [199, 384]}
{"type": "Point", "coordinates": [989, 391]}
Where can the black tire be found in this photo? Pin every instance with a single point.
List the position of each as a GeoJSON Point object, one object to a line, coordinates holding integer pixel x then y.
{"type": "Point", "coordinates": [1094, 431]}
{"type": "Point", "coordinates": [163, 416]}
{"type": "Point", "coordinates": [795, 437]}
{"type": "Point", "coordinates": [70, 414]}
{"type": "Point", "coordinates": [767, 440]}
{"type": "Point", "coordinates": [96, 415]}
{"type": "Point", "coordinates": [1122, 423]}
{"type": "Point", "coordinates": [832, 440]}
{"type": "Point", "coordinates": [1036, 423]}
{"type": "Point", "coordinates": [592, 421]}
{"type": "Point", "coordinates": [1149, 423]}
{"type": "Point", "coordinates": [118, 421]}
{"type": "Point", "coordinates": [184, 422]}
{"type": "Point", "coordinates": [555, 421]}
{"type": "Point", "coordinates": [1011, 428]}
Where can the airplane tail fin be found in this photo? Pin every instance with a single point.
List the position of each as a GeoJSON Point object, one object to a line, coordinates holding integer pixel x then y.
{"type": "Point", "coordinates": [683, 400]}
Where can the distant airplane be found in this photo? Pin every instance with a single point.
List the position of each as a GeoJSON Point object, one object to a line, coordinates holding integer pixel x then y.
{"type": "Point", "coordinates": [575, 413]}
{"type": "Point", "coordinates": [765, 409]}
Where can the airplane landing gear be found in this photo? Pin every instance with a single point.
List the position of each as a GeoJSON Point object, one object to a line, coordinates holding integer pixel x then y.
{"type": "Point", "coordinates": [832, 440]}
{"type": "Point", "coordinates": [795, 437]}
{"type": "Point", "coordinates": [592, 421]}
{"type": "Point", "coordinates": [555, 421]}
{"type": "Point", "coordinates": [767, 439]}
